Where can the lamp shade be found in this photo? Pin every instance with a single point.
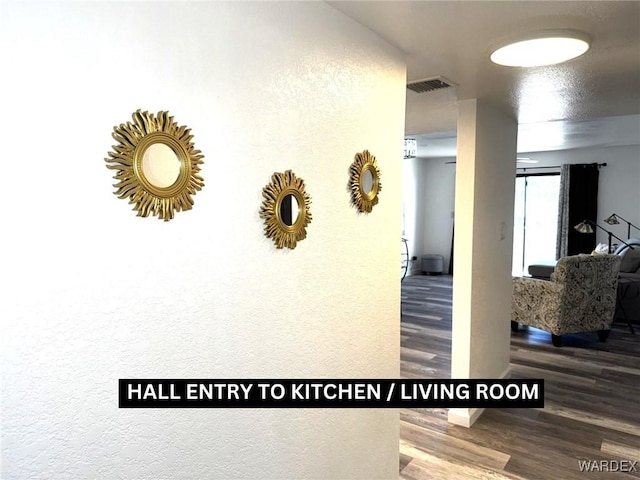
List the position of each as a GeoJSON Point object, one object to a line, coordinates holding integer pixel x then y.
{"type": "Point", "coordinates": [612, 220]}
{"type": "Point", "coordinates": [584, 227]}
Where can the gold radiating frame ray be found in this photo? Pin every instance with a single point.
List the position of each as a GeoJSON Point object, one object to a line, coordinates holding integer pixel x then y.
{"type": "Point", "coordinates": [126, 158]}
{"type": "Point", "coordinates": [283, 184]}
{"type": "Point", "coordinates": [364, 201]}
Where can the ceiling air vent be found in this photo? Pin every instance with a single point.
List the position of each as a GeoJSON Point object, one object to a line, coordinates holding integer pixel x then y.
{"type": "Point", "coordinates": [429, 84]}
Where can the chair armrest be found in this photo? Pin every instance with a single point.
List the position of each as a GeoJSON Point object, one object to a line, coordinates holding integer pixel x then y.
{"type": "Point", "coordinates": [537, 302]}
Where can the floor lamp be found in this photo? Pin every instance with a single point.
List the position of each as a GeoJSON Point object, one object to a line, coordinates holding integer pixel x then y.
{"type": "Point", "coordinates": [586, 226]}
{"type": "Point", "coordinates": [613, 220]}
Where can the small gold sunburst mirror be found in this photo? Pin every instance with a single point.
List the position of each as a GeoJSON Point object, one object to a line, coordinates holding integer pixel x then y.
{"type": "Point", "coordinates": [156, 165]}
{"type": "Point", "coordinates": [285, 209]}
{"type": "Point", "coordinates": [364, 181]}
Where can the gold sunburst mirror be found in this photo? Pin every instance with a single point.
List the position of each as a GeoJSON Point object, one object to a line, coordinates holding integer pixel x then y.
{"type": "Point", "coordinates": [285, 209]}
{"type": "Point", "coordinates": [364, 181]}
{"type": "Point", "coordinates": [156, 165]}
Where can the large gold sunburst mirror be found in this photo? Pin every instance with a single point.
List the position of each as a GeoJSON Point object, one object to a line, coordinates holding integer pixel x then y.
{"type": "Point", "coordinates": [285, 209]}
{"type": "Point", "coordinates": [156, 165]}
{"type": "Point", "coordinates": [364, 181]}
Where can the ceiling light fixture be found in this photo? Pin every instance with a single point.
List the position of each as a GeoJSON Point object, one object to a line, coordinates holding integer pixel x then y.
{"type": "Point", "coordinates": [544, 48]}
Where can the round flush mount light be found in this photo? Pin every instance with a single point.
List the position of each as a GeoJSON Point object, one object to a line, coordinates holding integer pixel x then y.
{"type": "Point", "coordinates": [544, 48]}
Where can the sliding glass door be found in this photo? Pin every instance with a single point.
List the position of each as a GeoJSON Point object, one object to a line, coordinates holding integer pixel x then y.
{"type": "Point", "coordinates": [535, 221]}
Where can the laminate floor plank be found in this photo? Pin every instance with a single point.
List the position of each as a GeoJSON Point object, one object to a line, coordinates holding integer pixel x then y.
{"type": "Point", "coordinates": [591, 413]}
{"type": "Point", "coordinates": [588, 433]}
{"type": "Point", "coordinates": [414, 354]}
{"type": "Point", "coordinates": [593, 419]}
{"type": "Point", "coordinates": [426, 465]}
{"type": "Point", "coordinates": [452, 448]}
{"type": "Point", "coordinates": [620, 450]}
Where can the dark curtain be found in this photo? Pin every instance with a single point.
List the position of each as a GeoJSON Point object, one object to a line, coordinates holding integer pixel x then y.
{"type": "Point", "coordinates": [578, 202]}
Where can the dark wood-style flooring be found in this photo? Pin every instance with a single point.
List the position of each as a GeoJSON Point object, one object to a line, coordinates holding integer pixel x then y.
{"type": "Point", "coordinates": [592, 402]}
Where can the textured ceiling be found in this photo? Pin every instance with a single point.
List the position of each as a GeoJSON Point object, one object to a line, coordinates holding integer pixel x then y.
{"type": "Point", "coordinates": [454, 39]}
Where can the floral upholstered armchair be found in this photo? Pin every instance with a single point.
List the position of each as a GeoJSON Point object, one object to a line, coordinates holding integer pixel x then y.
{"type": "Point", "coordinates": [581, 297]}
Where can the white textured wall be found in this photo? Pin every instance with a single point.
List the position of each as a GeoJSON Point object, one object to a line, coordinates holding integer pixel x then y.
{"type": "Point", "coordinates": [413, 195]}
{"type": "Point", "coordinates": [428, 195]}
{"type": "Point", "coordinates": [439, 178]}
{"type": "Point", "coordinates": [93, 293]}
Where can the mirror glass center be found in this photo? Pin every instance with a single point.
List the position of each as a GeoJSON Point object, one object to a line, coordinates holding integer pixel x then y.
{"type": "Point", "coordinates": [289, 209]}
{"type": "Point", "coordinates": [160, 165]}
{"type": "Point", "coordinates": [367, 181]}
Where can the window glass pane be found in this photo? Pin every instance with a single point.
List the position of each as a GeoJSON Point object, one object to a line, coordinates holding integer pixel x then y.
{"type": "Point", "coordinates": [535, 221]}
{"type": "Point", "coordinates": [541, 220]}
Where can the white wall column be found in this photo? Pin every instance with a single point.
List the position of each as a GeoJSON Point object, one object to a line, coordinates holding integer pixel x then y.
{"type": "Point", "coordinates": [485, 172]}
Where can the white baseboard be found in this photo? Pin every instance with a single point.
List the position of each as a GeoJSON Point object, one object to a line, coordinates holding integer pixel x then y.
{"type": "Point", "coordinates": [506, 374]}
{"type": "Point", "coordinates": [466, 417]}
